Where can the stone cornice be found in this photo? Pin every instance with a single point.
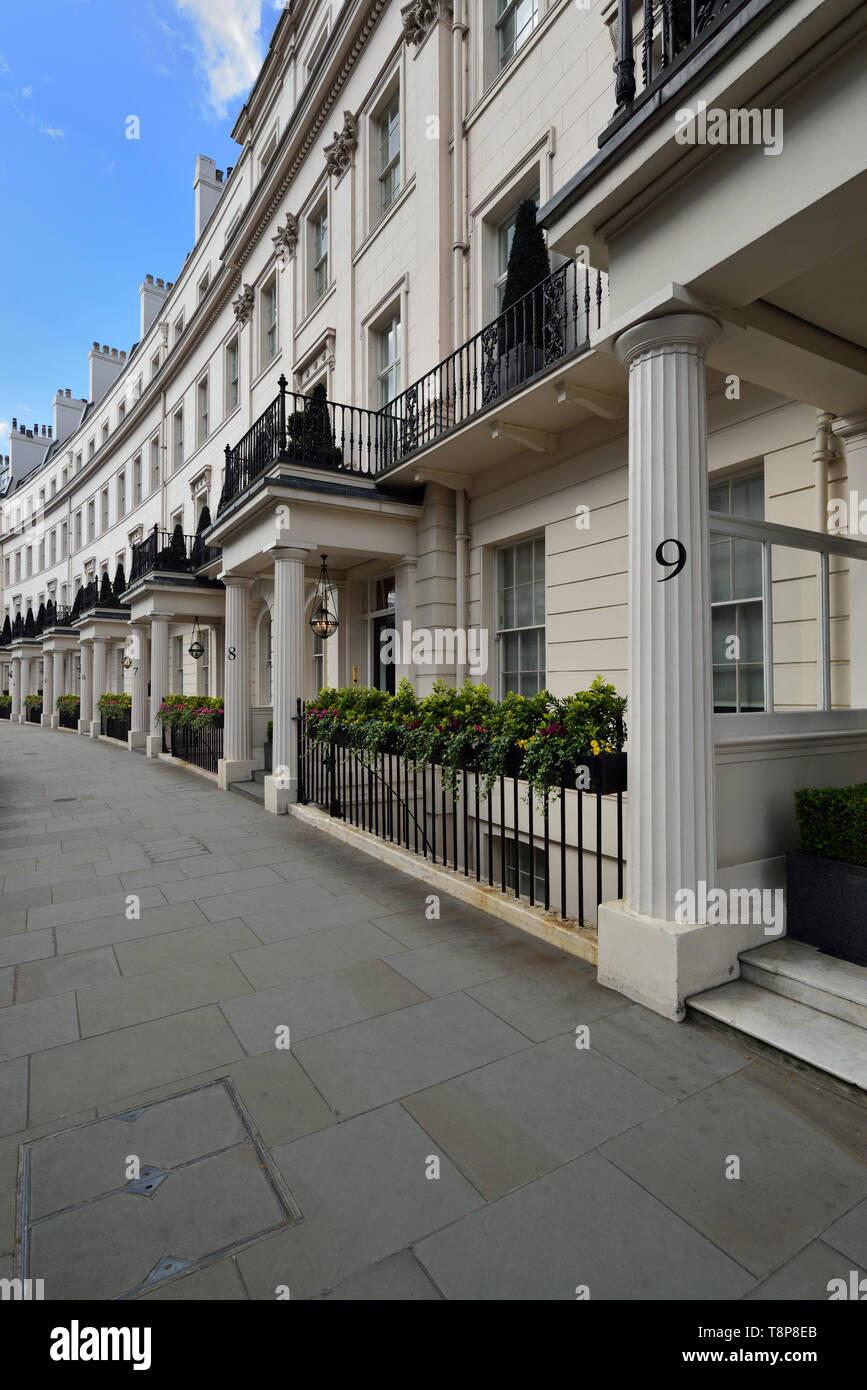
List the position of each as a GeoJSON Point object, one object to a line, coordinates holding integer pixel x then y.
{"type": "Point", "coordinates": [317, 119]}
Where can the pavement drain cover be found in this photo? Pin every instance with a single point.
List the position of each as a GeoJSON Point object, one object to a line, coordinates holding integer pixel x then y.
{"type": "Point", "coordinates": [163, 851]}
{"type": "Point", "coordinates": [209, 1186]}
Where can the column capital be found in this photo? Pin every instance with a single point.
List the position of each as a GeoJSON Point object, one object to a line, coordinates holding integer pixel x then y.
{"type": "Point", "coordinates": [236, 581]}
{"type": "Point", "coordinates": [406, 562]}
{"type": "Point", "coordinates": [670, 332]}
{"type": "Point", "coordinates": [850, 426]}
{"type": "Point", "coordinates": [296, 550]}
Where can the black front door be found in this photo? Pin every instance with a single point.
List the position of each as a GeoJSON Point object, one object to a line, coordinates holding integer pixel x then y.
{"type": "Point", "coordinates": [383, 671]}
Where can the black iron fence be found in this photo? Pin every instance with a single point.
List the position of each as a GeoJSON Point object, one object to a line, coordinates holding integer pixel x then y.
{"type": "Point", "coordinates": [34, 714]}
{"type": "Point", "coordinates": [542, 854]}
{"type": "Point", "coordinates": [201, 747]}
{"type": "Point", "coordinates": [68, 718]}
{"type": "Point", "coordinates": [116, 725]}
{"type": "Point", "coordinates": [167, 550]}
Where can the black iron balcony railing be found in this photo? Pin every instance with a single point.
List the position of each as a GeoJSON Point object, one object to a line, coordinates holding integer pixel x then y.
{"type": "Point", "coordinates": [549, 324]}
{"type": "Point", "coordinates": [476, 835]}
{"type": "Point", "coordinates": [672, 31]}
{"type": "Point", "coordinates": [311, 430]}
{"type": "Point", "coordinates": [171, 551]}
{"type": "Point", "coordinates": [93, 597]}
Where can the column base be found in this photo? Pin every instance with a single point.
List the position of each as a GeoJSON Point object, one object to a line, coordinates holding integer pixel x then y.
{"type": "Point", "coordinates": [279, 799]}
{"type": "Point", "coordinates": [47, 720]}
{"type": "Point", "coordinates": [153, 745]}
{"type": "Point", "coordinates": [96, 728]}
{"type": "Point", "coordinates": [136, 740]}
{"type": "Point", "coordinates": [55, 721]}
{"type": "Point", "coordinates": [84, 726]}
{"type": "Point", "coordinates": [234, 770]}
{"type": "Point", "coordinates": [22, 719]}
{"type": "Point", "coordinates": [661, 964]}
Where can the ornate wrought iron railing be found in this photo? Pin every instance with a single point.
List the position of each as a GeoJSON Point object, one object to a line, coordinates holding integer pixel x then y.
{"type": "Point", "coordinates": [167, 550]}
{"type": "Point", "coordinates": [671, 32]}
{"type": "Point", "coordinates": [548, 324]}
{"type": "Point", "coordinates": [310, 430]}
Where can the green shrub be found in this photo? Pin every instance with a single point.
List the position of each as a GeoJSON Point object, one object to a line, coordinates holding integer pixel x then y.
{"type": "Point", "coordinates": [33, 701]}
{"type": "Point", "coordinates": [71, 703]}
{"type": "Point", "coordinates": [5, 703]}
{"type": "Point", "coordinates": [114, 706]}
{"type": "Point", "coordinates": [833, 822]}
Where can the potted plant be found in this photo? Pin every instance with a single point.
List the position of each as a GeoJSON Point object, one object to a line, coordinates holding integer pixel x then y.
{"type": "Point", "coordinates": [519, 329]}
{"type": "Point", "coordinates": [5, 706]}
{"type": "Point", "coordinates": [269, 746]}
{"type": "Point", "coordinates": [512, 724]}
{"type": "Point", "coordinates": [826, 877]}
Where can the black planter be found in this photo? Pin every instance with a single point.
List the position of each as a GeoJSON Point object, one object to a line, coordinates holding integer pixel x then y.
{"type": "Point", "coordinates": [269, 756]}
{"type": "Point", "coordinates": [512, 764]}
{"type": "Point", "coordinates": [607, 772]}
{"type": "Point", "coordinates": [826, 905]}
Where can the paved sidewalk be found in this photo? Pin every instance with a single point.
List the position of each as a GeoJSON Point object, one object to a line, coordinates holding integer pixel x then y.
{"type": "Point", "coordinates": [432, 1131]}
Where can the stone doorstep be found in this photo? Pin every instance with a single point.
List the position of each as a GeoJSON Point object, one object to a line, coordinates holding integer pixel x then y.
{"type": "Point", "coordinates": [568, 936]}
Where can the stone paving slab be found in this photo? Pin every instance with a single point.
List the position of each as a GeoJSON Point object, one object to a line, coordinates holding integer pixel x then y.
{"type": "Point", "coordinates": [176, 948]}
{"type": "Point", "coordinates": [43, 977]}
{"type": "Point", "coordinates": [319, 1004]}
{"type": "Point", "coordinates": [118, 1003]}
{"type": "Point", "coordinates": [516, 1119]}
{"type": "Point", "coordinates": [585, 1225]}
{"type": "Point", "coordinates": [399, 1279]}
{"type": "Point", "coordinates": [314, 953]}
{"type": "Point", "coordinates": [807, 1275]}
{"type": "Point", "coordinates": [39, 1024]}
{"type": "Point", "coordinates": [796, 1175]}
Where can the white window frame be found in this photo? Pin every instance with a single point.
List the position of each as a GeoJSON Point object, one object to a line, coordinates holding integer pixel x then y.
{"type": "Point", "coordinates": [232, 359]}
{"type": "Point", "coordinates": [320, 261]}
{"type": "Point", "coordinates": [501, 629]}
{"type": "Point", "coordinates": [203, 393]}
{"type": "Point", "coordinates": [269, 343]}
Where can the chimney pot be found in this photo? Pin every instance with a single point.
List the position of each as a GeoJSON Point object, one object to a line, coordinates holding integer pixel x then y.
{"type": "Point", "coordinates": [219, 176]}
{"type": "Point", "coordinates": [229, 168]}
{"type": "Point", "coordinates": [50, 427]}
{"type": "Point", "coordinates": [96, 347]}
{"type": "Point", "coordinates": [14, 423]}
{"type": "Point", "coordinates": [105, 348]}
{"type": "Point", "coordinates": [114, 352]}
{"type": "Point", "coordinates": [149, 279]}
{"type": "Point", "coordinates": [160, 284]}
{"type": "Point", "coordinates": [68, 393]}
{"type": "Point", "coordinates": [169, 284]}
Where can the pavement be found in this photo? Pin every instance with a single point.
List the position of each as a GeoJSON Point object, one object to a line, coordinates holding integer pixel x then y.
{"type": "Point", "coordinates": [239, 1060]}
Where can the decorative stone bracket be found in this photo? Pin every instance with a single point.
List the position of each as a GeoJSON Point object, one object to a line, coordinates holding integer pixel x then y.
{"type": "Point", "coordinates": [201, 482]}
{"type": "Point", "coordinates": [243, 304]}
{"type": "Point", "coordinates": [338, 155]}
{"type": "Point", "coordinates": [420, 16]}
{"type": "Point", "coordinates": [286, 239]}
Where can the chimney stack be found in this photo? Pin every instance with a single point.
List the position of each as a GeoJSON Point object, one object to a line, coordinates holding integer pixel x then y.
{"type": "Point", "coordinates": [105, 367]}
{"type": "Point", "coordinates": [207, 186]}
{"type": "Point", "coordinates": [151, 297]}
{"type": "Point", "coordinates": [67, 415]}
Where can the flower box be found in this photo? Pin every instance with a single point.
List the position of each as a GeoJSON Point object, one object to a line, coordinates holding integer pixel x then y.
{"type": "Point", "coordinates": [607, 772]}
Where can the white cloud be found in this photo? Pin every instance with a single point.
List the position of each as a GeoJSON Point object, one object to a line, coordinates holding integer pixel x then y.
{"type": "Point", "coordinates": [231, 51]}
{"type": "Point", "coordinates": [4, 66]}
{"type": "Point", "coordinates": [25, 92]}
{"type": "Point", "coordinates": [53, 131]}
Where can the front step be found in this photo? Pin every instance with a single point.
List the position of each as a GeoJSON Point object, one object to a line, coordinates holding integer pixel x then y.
{"type": "Point", "coordinates": [807, 1035]}
{"type": "Point", "coordinates": [805, 974]}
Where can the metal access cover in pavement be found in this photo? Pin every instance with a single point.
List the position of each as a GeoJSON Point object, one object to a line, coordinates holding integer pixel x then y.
{"type": "Point", "coordinates": [115, 1206]}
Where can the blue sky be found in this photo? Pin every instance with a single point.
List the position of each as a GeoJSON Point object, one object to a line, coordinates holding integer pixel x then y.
{"type": "Point", "coordinates": [87, 212]}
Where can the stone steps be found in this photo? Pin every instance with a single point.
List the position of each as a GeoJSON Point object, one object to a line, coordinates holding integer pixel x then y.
{"type": "Point", "coordinates": [799, 1004]}
{"type": "Point", "coordinates": [254, 791]}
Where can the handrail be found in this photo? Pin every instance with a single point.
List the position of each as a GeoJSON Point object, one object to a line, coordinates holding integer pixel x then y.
{"type": "Point", "coordinates": [168, 550]}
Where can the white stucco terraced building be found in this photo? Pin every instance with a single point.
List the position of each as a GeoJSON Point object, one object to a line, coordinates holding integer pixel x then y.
{"type": "Point", "coordinates": [712, 391]}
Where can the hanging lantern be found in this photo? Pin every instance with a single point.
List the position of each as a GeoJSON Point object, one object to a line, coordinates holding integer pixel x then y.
{"type": "Point", "coordinates": [195, 649]}
{"type": "Point", "coordinates": [126, 662]}
{"type": "Point", "coordinates": [323, 619]}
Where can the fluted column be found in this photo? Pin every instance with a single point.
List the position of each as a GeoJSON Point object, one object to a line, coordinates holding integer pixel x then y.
{"type": "Point", "coordinates": [99, 677]}
{"type": "Point", "coordinates": [85, 689]}
{"type": "Point", "coordinates": [644, 951]}
{"type": "Point", "coordinates": [140, 717]}
{"type": "Point", "coordinates": [15, 689]}
{"type": "Point", "coordinates": [159, 678]}
{"type": "Point", "coordinates": [853, 430]}
{"type": "Point", "coordinates": [236, 765]}
{"type": "Point", "coordinates": [288, 639]}
{"type": "Point", "coordinates": [672, 835]}
{"type": "Point", "coordinates": [24, 688]}
{"type": "Point", "coordinates": [47, 689]}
